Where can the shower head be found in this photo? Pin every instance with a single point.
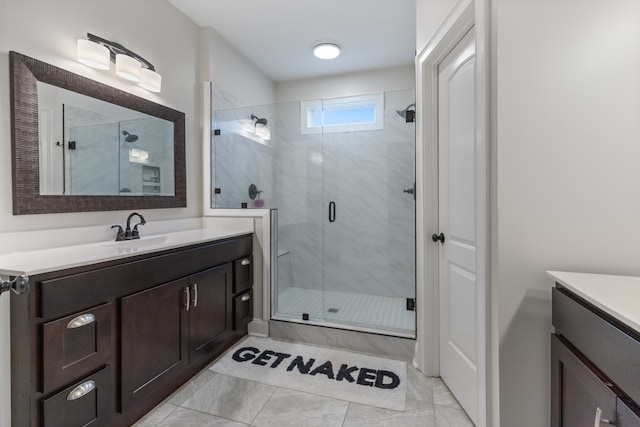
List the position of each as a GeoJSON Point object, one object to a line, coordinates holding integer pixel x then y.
{"type": "Point", "coordinates": [129, 137]}
{"type": "Point", "coordinates": [258, 121]}
{"type": "Point", "coordinates": [403, 113]}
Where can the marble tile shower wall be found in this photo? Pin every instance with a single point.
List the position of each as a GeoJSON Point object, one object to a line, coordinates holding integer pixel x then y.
{"type": "Point", "coordinates": [369, 249]}
{"type": "Point", "coordinates": [299, 197]}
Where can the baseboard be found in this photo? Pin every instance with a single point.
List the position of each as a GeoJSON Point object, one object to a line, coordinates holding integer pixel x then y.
{"type": "Point", "coordinates": [259, 328]}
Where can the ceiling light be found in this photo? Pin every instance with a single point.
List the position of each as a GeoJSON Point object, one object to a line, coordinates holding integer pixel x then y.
{"type": "Point", "coordinates": [326, 51]}
{"type": "Point", "coordinates": [93, 55]}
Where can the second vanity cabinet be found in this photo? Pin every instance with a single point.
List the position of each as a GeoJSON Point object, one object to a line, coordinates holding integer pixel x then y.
{"type": "Point", "coordinates": [103, 344]}
{"type": "Point", "coordinates": [595, 363]}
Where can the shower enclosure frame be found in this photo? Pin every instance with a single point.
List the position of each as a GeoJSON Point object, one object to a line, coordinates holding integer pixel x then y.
{"type": "Point", "coordinates": [262, 224]}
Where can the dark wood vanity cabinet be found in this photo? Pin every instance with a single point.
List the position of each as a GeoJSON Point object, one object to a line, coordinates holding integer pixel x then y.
{"type": "Point", "coordinates": [153, 340]}
{"type": "Point", "coordinates": [210, 317]}
{"type": "Point", "coordinates": [103, 344]}
{"type": "Point", "coordinates": [595, 366]}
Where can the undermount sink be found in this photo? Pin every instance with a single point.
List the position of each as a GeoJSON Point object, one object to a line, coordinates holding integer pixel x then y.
{"type": "Point", "coordinates": [139, 243]}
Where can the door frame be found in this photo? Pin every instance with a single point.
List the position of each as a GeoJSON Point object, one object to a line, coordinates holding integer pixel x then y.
{"type": "Point", "coordinates": [466, 15]}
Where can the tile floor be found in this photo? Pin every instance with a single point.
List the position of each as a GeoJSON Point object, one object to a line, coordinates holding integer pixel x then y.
{"type": "Point", "coordinates": [212, 399]}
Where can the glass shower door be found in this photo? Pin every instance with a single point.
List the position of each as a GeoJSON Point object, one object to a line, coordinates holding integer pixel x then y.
{"type": "Point", "coordinates": [369, 233]}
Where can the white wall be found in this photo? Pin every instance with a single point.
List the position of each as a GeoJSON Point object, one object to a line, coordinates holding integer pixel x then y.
{"type": "Point", "coordinates": [566, 166]}
{"type": "Point", "coordinates": [236, 81]}
{"type": "Point", "coordinates": [430, 14]}
{"type": "Point", "coordinates": [48, 31]}
{"type": "Point", "coordinates": [381, 80]}
{"type": "Point", "coordinates": [568, 102]}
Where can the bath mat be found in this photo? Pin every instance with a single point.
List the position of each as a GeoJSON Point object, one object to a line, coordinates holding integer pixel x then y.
{"type": "Point", "coordinates": [339, 374]}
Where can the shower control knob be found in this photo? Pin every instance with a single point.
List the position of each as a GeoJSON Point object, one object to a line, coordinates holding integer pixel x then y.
{"type": "Point", "coordinates": [437, 237]}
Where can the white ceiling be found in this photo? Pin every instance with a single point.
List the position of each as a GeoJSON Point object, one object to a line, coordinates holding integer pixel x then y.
{"type": "Point", "coordinates": [278, 35]}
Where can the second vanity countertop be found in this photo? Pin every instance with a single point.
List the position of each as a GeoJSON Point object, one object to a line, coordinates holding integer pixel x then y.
{"type": "Point", "coordinates": [617, 296]}
{"type": "Point", "coordinates": [46, 260]}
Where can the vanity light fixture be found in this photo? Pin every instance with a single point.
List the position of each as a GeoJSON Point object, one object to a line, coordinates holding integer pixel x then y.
{"type": "Point", "coordinates": [93, 54]}
{"type": "Point", "coordinates": [326, 50]}
{"type": "Point", "coordinates": [98, 53]}
{"type": "Point", "coordinates": [127, 67]}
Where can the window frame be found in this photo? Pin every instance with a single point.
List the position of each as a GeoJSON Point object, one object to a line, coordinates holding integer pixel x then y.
{"type": "Point", "coordinates": [307, 109]}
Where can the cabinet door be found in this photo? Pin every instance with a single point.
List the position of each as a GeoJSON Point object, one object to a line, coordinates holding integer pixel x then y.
{"type": "Point", "coordinates": [153, 336]}
{"type": "Point", "coordinates": [628, 414]}
{"type": "Point", "coordinates": [210, 314]}
{"type": "Point", "coordinates": [579, 392]}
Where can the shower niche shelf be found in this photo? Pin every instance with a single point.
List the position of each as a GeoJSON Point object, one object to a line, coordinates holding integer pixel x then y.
{"type": "Point", "coordinates": [151, 180]}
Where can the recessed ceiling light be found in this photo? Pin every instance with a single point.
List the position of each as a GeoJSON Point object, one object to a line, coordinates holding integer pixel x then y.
{"type": "Point", "coordinates": [326, 51]}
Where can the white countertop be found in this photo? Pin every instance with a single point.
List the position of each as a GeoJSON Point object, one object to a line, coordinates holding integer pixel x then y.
{"type": "Point", "coordinates": [615, 295]}
{"type": "Point", "coordinates": [45, 260]}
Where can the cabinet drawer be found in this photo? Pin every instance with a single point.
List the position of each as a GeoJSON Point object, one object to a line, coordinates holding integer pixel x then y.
{"type": "Point", "coordinates": [242, 310]}
{"type": "Point", "coordinates": [628, 414]}
{"type": "Point", "coordinates": [242, 274]}
{"type": "Point", "coordinates": [578, 389]}
{"type": "Point", "coordinates": [615, 352]}
{"type": "Point", "coordinates": [85, 403]}
{"type": "Point", "coordinates": [74, 346]}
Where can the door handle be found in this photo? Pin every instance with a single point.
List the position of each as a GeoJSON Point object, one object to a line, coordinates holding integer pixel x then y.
{"type": "Point", "coordinates": [332, 211]}
{"type": "Point", "coordinates": [437, 237]}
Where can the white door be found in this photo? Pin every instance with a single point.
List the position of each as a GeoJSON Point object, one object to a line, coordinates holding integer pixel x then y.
{"type": "Point", "coordinates": [457, 220]}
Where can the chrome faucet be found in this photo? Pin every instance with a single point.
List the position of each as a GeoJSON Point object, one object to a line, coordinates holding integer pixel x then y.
{"type": "Point", "coordinates": [128, 233]}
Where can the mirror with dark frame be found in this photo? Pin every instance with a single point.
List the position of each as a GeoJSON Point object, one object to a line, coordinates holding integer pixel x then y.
{"type": "Point", "coordinates": [145, 142]}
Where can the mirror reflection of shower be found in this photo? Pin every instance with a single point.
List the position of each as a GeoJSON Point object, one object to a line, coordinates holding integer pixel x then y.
{"type": "Point", "coordinates": [129, 137]}
{"type": "Point", "coordinates": [258, 121]}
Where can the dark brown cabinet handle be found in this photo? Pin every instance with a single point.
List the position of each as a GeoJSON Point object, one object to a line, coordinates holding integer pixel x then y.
{"type": "Point", "coordinates": [437, 237]}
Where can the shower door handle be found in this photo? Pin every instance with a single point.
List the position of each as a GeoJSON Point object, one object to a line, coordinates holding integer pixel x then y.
{"type": "Point", "coordinates": [332, 211]}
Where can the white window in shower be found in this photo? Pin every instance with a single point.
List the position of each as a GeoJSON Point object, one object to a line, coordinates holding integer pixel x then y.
{"type": "Point", "coordinates": [346, 114]}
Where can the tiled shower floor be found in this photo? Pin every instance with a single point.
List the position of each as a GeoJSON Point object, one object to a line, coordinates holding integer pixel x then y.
{"type": "Point", "coordinates": [371, 311]}
{"type": "Point", "coordinates": [212, 399]}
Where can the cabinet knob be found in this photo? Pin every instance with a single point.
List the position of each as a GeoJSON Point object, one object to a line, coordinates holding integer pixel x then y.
{"type": "Point", "coordinates": [82, 390]}
{"type": "Point", "coordinates": [245, 262]}
{"type": "Point", "coordinates": [437, 237]}
{"type": "Point", "coordinates": [245, 297]}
